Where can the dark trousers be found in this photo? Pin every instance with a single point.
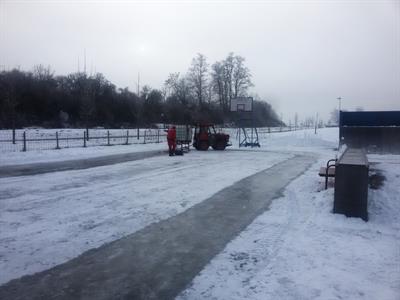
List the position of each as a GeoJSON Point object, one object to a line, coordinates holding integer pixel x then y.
{"type": "Point", "coordinates": [171, 146]}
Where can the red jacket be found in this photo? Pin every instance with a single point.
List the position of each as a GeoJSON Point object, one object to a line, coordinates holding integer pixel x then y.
{"type": "Point", "coordinates": [171, 134]}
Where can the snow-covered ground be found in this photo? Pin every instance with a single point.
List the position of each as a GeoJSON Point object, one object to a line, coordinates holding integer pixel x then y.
{"type": "Point", "coordinates": [299, 249]}
{"type": "Point", "coordinates": [302, 140]}
{"type": "Point", "coordinates": [40, 156]}
{"type": "Point", "coordinates": [50, 218]}
{"type": "Point", "coordinates": [41, 144]}
{"type": "Point", "coordinates": [296, 250]}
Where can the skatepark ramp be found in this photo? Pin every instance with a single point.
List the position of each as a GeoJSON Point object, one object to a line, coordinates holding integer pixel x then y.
{"type": "Point", "coordinates": [375, 131]}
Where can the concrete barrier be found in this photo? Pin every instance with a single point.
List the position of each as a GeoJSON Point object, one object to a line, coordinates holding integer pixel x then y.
{"type": "Point", "coordinates": [351, 184]}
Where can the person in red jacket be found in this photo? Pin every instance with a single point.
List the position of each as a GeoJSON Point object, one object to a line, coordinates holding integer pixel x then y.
{"type": "Point", "coordinates": [171, 138]}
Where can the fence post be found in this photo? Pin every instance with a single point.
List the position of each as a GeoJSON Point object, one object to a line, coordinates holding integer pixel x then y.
{"type": "Point", "coordinates": [269, 129]}
{"type": "Point", "coordinates": [87, 134]}
{"type": "Point", "coordinates": [57, 143]}
{"type": "Point", "coordinates": [13, 135]}
{"type": "Point", "coordinates": [239, 138]}
{"type": "Point", "coordinates": [144, 137]}
{"type": "Point", "coordinates": [138, 133]}
{"type": "Point", "coordinates": [108, 138]}
{"type": "Point", "coordinates": [84, 139]}
{"type": "Point", "coordinates": [158, 135]}
{"type": "Point", "coordinates": [127, 137]}
{"type": "Point", "coordinates": [24, 137]}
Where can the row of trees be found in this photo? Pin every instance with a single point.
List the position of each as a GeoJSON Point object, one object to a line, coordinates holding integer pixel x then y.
{"type": "Point", "coordinates": [225, 80]}
{"type": "Point", "coordinates": [42, 99]}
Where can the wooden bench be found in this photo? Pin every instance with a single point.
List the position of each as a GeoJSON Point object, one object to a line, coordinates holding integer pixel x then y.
{"type": "Point", "coordinates": [328, 171]}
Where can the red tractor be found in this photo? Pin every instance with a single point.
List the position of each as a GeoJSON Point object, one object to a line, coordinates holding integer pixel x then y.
{"type": "Point", "coordinates": [206, 136]}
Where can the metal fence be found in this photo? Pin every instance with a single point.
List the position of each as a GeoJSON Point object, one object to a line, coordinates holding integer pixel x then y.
{"type": "Point", "coordinates": [46, 139]}
{"type": "Point", "coordinates": [43, 139]}
{"type": "Point", "coordinates": [263, 132]}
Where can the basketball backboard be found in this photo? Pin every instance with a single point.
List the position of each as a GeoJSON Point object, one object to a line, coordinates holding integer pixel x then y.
{"type": "Point", "coordinates": [242, 104]}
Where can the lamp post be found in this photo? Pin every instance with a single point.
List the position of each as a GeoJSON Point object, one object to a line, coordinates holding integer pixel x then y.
{"type": "Point", "coordinates": [340, 103]}
{"type": "Point", "coordinates": [340, 108]}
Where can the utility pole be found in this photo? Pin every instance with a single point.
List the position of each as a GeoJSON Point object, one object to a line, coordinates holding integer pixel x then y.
{"type": "Point", "coordinates": [340, 108]}
{"type": "Point", "coordinates": [138, 84]}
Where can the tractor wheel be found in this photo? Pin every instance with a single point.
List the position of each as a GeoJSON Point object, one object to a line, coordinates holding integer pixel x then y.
{"type": "Point", "coordinates": [202, 146]}
{"type": "Point", "coordinates": [220, 145]}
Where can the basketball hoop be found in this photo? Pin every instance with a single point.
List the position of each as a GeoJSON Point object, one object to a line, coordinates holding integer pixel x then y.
{"type": "Point", "coordinates": [242, 104]}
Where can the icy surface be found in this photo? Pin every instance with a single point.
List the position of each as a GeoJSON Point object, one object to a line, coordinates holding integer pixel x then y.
{"type": "Point", "coordinates": [299, 249]}
{"type": "Point", "coordinates": [296, 250]}
{"type": "Point", "coordinates": [50, 218]}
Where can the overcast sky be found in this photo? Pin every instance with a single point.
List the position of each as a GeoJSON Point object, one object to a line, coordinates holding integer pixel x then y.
{"type": "Point", "coordinates": [302, 54]}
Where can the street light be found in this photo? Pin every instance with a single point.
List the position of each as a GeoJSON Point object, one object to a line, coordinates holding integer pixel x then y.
{"type": "Point", "coordinates": [340, 103]}
{"type": "Point", "coordinates": [340, 107]}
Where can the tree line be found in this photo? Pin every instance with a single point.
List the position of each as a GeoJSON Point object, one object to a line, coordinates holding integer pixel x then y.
{"type": "Point", "coordinates": [39, 98]}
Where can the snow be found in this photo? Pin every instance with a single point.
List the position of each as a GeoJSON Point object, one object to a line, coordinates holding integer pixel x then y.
{"type": "Point", "coordinates": [302, 140]}
{"type": "Point", "coordinates": [44, 151]}
{"type": "Point", "coordinates": [50, 218]}
{"type": "Point", "coordinates": [297, 249]}
{"type": "Point", "coordinates": [40, 156]}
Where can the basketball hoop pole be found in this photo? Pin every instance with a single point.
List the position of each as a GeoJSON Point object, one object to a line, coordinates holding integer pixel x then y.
{"type": "Point", "coordinates": [242, 107]}
{"type": "Point", "coordinates": [252, 122]}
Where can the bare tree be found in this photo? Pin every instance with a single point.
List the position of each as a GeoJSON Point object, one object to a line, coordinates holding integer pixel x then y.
{"type": "Point", "coordinates": [309, 122]}
{"type": "Point", "coordinates": [9, 98]}
{"type": "Point", "coordinates": [172, 84]}
{"type": "Point", "coordinates": [229, 65]}
{"type": "Point", "coordinates": [178, 86]}
{"type": "Point", "coordinates": [198, 77]}
{"type": "Point", "coordinates": [230, 79]}
{"type": "Point", "coordinates": [10, 105]}
{"type": "Point", "coordinates": [218, 83]}
{"type": "Point", "coordinates": [241, 77]}
{"type": "Point", "coordinates": [146, 89]}
{"type": "Point", "coordinates": [87, 108]}
{"type": "Point", "coordinates": [43, 73]}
